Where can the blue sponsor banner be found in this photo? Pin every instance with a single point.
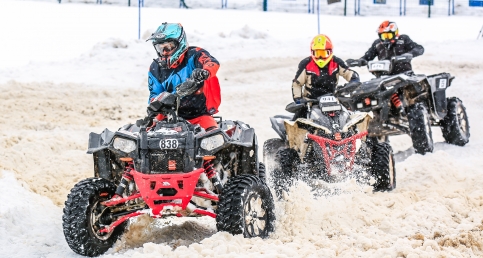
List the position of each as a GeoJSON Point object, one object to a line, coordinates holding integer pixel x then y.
{"type": "Point", "coordinates": [379, 1]}
{"type": "Point", "coordinates": [477, 3]}
{"type": "Point", "coordinates": [425, 2]}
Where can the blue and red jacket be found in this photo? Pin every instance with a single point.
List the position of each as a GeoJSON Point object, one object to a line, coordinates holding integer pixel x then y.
{"type": "Point", "coordinates": [206, 100]}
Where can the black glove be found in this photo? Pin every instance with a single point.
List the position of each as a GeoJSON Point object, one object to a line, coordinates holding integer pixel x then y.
{"type": "Point", "coordinates": [200, 74]}
{"type": "Point", "coordinates": [187, 88]}
{"type": "Point", "coordinates": [356, 62]}
{"type": "Point", "coordinates": [403, 58]}
{"type": "Point", "coordinates": [351, 86]}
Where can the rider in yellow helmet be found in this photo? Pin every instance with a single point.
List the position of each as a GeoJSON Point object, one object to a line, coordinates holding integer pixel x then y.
{"type": "Point", "coordinates": [320, 72]}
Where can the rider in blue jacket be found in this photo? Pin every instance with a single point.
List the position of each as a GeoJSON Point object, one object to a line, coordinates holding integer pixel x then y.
{"type": "Point", "coordinates": [177, 62]}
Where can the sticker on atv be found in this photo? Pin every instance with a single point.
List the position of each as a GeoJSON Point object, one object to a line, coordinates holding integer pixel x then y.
{"type": "Point", "coordinates": [168, 144]}
{"type": "Point", "coordinates": [327, 99]}
{"type": "Point", "coordinates": [442, 83]}
{"type": "Point", "coordinates": [377, 66]}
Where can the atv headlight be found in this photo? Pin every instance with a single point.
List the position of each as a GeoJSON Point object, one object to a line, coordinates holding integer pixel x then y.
{"type": "Point", "coordinates": [124, 145]}
{"type": "Point", "coordinates": [212, 142]}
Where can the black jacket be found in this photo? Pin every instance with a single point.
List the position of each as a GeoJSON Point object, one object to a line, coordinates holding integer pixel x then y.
{"type": "Point", "coordinates": [402, 45]}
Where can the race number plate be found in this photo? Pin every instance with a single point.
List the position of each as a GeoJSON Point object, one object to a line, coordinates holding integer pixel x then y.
{"type": "Point", "coordinates": [327, 99]}
{"type": "Point", "coordinates": [168, 144]}
{"type": "Point", "coordinates": [442, 83]}
{"type": "Point", "coordinates": [377, 66]}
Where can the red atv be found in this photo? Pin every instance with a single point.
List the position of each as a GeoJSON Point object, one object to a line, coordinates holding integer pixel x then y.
{"type": "Point", "coordinates": [171, 168]}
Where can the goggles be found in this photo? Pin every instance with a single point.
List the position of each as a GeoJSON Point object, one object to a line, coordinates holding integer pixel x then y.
{"type": "Point", "coordinates": [386, 35]}
{"type": "Point", "coordinates": [321, 53]}
{"type": "Point", "coordinates": [165, 48]}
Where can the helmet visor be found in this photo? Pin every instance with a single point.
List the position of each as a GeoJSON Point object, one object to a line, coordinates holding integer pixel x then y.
{"type": "Point", "coordinates": [165, 48]}
{"type": "Point", "coordinates": [321, 53]}
{"type": "Point", "coordinates": [386, 35]}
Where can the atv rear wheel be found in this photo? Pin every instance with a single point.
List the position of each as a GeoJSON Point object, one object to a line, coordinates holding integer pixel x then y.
{"type": "Point", "coordinates": [282, 175]}
{"type": "Point", "coordinates": [246, 207]}
{"type": "Point", "coordinates": [383, 169]}
{"type": "Point", "coordinates": [420, 128]}
{"type": "Point", "coordinates": [455, 125]}
{"type": "Point", "coordinates": [84, 216]}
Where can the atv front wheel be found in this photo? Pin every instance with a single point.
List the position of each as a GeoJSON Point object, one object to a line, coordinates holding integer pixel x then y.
{"type": "Point", "coordinates": [282, 175]}
{"type": "Point", "coordinates": [383, 169]}
{"type": "Point", "coordinates": [420, 128]}
{"type": "Point", "coordinates": [246, 207]}
{"type": "Point", "coordinates": [262, 172]}
{"type": "Point", "coordinates": [270, 149]}
{"type": "Point", "coordinates": [455, 125]}
{"type": "Point", "coordinates": [84, 216]}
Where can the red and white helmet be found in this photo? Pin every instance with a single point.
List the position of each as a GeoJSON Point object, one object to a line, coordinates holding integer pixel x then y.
{"type": "Point", "coordinates": [388, 32]}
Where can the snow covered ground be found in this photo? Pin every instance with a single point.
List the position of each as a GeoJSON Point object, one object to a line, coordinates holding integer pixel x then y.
{"type": "Point", "coordinates": [69, 69]}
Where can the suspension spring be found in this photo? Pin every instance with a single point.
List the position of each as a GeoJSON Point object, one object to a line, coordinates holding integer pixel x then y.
{"type": "Point", "coordinates": [211, 174]}
{"type": "Point", "coordinates": [126, 178]}
{"type": "Point", "coordinates": [395, 100]}
{"type": "Point", "coordinates": [209, 170]}
{"type": "Point", "coordinates": [397, 103]}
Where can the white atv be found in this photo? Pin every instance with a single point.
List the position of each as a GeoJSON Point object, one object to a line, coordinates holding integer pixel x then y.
{"type": "Point", "coordinates": [329, 144]}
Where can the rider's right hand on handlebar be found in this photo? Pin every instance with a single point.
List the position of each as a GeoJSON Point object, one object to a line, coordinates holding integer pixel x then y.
{"type": "Point", "coordinates": [348, 87]}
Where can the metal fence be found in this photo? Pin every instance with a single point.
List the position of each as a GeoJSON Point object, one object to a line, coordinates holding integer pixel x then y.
{"type": "Point", "coordinates": [343, 7]}
{"type": "Point", "coordinates": [378, 7]}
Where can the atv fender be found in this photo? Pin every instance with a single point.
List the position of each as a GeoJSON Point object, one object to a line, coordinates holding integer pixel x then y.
{"type": "Point", "coordinates": [361, 119]}
{"type": "Point", "coordinates": [296, 135]}
{"type": "Point", "coordinates": [439, 83]}
{"type": "Point", "coordinates": [278, 125]}
{"type": "Point", "coordinates": [100, 141]}
{"type": "Point", "coordinates": [246, 138]}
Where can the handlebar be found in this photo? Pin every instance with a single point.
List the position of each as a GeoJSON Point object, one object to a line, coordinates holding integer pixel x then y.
{"type": "Point", "coordinates": [305, 101]}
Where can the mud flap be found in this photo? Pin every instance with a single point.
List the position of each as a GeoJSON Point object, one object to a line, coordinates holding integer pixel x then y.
{"type": "Point", "coordinates": [102, 165]}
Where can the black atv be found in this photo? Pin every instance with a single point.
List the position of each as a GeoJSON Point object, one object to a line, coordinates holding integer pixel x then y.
{"type": "Point", "coordinates": [169, 168]}
{"type": "Point", "coordinates": [408, 103]}
{"type": "Point", "coordinates": [329, 143]}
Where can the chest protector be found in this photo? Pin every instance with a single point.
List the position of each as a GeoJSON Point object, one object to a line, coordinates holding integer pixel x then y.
{"type": "Point", "coordinates": [323, 80]}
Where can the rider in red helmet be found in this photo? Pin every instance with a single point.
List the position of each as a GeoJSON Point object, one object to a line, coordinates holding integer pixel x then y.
{"type": "Point", "coordinates": [389, 45]}
{"type": "Point", "coordinates": [319, 73]}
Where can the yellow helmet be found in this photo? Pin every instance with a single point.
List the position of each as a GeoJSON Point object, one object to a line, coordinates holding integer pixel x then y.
{"type": "Point", "coordinates": [321, 49]}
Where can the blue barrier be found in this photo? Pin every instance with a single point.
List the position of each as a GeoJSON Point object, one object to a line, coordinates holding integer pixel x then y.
{"type": "Point", "coordinates": [476, 3]}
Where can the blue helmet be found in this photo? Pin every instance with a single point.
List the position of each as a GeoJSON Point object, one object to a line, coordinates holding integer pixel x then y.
{"type": "Point", "coordinates": [170, 32]}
